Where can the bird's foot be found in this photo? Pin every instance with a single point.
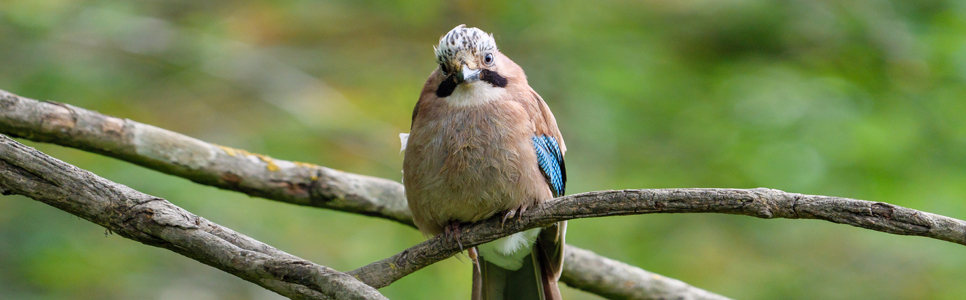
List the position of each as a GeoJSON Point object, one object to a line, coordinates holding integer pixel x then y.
{"type": "Point", "coordinates": [452, 231]}
{"type": "Point", "coordinates": [512, 213]}
{"type": "Point", "coordinates": [474, 256]}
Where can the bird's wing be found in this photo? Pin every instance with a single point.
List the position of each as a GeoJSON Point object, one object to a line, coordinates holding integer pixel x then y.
{"type": "Point", "coordinates": [551, 162]}
{"type": "Point", "coordinates": [549, 145]}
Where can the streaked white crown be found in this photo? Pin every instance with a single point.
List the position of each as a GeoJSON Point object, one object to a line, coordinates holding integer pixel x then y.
{"type": "Point", "coordinates": [462, 38]}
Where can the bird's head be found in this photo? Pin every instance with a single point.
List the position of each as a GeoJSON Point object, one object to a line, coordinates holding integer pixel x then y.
{"type": "Point", "coordinates": [467, 56]}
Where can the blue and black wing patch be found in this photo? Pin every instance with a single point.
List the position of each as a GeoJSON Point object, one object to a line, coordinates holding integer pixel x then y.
{"type": "Point", "coordinates": [551, 163]}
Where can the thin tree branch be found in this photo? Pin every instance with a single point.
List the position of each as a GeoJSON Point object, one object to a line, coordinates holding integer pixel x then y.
{"type": "Point", "coordinates": [263, 176]}
{"type": "Point", "coordinates": [762, 203]}
{"type": "Point", "coordinates": [635, 283]}
{"type": "Point", "coordinates": [157, 222]}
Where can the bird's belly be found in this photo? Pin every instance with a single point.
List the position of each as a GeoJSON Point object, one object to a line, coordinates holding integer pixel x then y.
{"type": "Point", "coordinates": [467, 173]}
{"type": "Point", "coordinates": [476, 181]}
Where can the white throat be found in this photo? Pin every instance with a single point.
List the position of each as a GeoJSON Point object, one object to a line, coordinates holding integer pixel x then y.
{"type": "Point", "coordinates": [474, 93]}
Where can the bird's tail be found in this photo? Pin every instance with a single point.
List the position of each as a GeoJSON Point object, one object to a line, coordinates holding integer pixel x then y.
{"type": "Point", "coordinates": [535, 280]}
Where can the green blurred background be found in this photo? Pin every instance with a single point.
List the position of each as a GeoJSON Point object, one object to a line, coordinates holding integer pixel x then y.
{"type": "Point", "coordinates": [861, 99]}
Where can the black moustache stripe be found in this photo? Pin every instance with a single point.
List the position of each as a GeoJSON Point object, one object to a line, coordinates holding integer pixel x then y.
{"type": "Point", "coordinates": [446, 87]}
{"type": "Point", "coordinates": [449, 84]}
{"type": "Point", "coordinates": [493, 78]}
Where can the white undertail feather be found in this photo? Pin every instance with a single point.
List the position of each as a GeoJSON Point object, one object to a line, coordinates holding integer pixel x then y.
{"type": "Point", "coordinates": [508, 252]}
{"type": "Point", "coordinates": [403, 139]}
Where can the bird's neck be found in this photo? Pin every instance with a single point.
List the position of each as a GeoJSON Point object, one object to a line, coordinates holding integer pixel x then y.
{"type": "Point", "coordinates": [473, 94]}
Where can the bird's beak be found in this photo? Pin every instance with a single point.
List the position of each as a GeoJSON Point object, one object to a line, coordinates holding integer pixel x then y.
{"type": "Point", "coordinates": [470, 75]}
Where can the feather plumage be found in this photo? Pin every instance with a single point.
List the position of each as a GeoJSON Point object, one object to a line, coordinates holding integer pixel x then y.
{"type": "Point", "coordinates": [482, 142]}
{"type": "Point", "coordinates": [551, 163]}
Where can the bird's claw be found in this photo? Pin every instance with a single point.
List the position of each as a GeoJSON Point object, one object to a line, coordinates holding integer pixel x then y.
{"type": "Point", "coordinates": [509, 214]}
{"type": "Point", "coordinates": [452, 231]}
{"type": "Point", "coordinates": [513, 213]}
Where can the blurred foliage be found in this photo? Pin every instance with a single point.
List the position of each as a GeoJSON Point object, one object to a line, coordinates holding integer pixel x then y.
{"type": "Point", "coordinates": [861, 99]}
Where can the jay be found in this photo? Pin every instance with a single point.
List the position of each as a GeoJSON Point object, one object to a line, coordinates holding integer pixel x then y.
{"type": "Point", "coordinates": [483, 143]}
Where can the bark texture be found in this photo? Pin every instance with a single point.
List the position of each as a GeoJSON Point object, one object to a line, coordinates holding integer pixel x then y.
{"type": "Point", "coordinates": [205, 163]}
{"type": "Point", "coordinates": [157, 222]}
{"type": "Point", "coordinates": [635, 283]}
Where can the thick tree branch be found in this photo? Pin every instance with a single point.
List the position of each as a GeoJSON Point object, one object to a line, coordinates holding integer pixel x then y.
{"type": "Point", "coordinates": [157, 222]}
{"type": "Point", "coordinates": [262, 176]}
{"type": "Point", "coordinates": [209, 164]}
{"type": "Point", "coordinates": [761, 203]}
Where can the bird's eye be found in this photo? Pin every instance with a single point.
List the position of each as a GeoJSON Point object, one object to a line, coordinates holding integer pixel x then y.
{"type": "Point", "coordinates": [442, 67]}
{"type": "Point", "coordinates": [488, 59]}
